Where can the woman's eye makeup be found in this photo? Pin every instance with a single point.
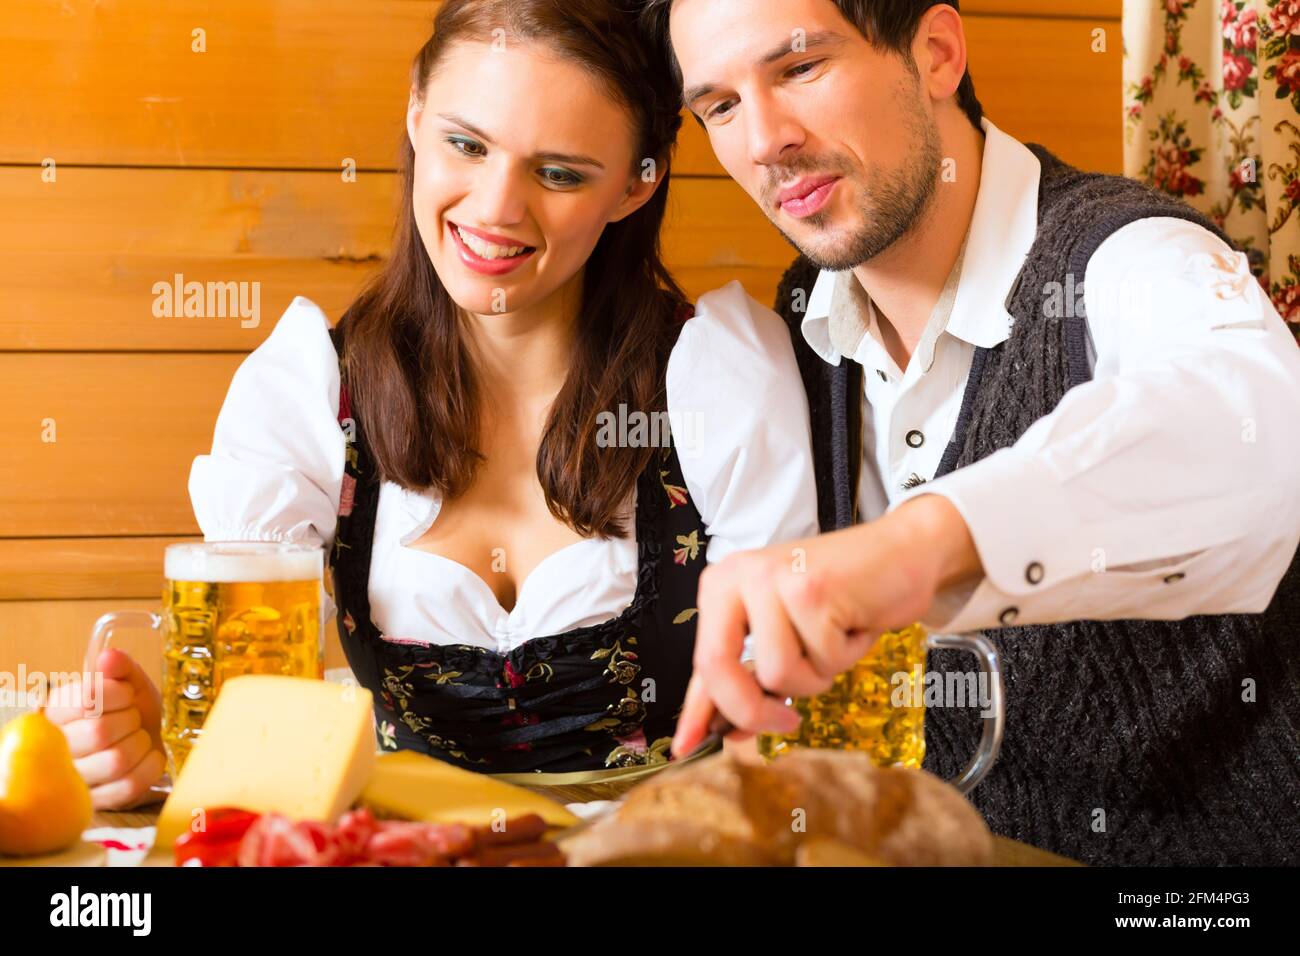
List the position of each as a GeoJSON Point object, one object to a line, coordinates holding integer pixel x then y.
{"type": "Point", "coordinates": [466, 146]}
{"type": "Point", "coordinates": [556, 176]}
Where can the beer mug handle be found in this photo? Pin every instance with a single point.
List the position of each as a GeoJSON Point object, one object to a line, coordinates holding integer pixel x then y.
{"type": "Point", "coordinates": [991, 739]}
{"type": "Point", "coordinates": [100, 636]}
{"type": "Point", "coordinates": [102, 632]}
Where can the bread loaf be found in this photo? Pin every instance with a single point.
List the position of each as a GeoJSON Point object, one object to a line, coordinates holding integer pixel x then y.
{"type": "Point", "coordinates": [722, 812]}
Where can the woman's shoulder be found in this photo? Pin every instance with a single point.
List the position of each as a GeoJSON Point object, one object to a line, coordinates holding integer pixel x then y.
{"type": "Point", "coordinates": [302, 322]}
{"type": "Point", "coordinates": [299, 347]}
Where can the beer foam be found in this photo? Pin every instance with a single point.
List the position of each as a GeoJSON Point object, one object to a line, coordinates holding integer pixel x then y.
{"type": "Point", "coordinates": [242, 561]}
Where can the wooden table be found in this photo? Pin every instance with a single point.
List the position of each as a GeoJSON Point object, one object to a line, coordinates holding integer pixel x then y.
{"type": "Point", "coordinates": [1006, 852]}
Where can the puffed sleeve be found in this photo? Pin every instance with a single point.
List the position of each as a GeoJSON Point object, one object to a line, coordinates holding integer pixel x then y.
{"type": "Point", "coordinates": [276, 465]}
{"type": "Point", "coordinates": [739, 416]}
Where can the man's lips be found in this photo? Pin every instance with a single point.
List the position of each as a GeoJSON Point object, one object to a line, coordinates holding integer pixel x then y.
{"type": "Point", "coordinates": [806, 196]}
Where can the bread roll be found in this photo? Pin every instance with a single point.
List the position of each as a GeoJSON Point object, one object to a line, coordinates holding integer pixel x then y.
{"type": "Point", "coordinates": [722, 812]}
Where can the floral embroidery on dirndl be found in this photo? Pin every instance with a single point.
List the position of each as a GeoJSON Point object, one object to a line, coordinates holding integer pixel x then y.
{"type": "Point", "coordinates": [593, 698]}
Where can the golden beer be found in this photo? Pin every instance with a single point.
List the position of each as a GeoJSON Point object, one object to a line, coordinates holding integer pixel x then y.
{"type": "Point", "coordinates": [877, 705]}
{"type": "Point", "coordinates": [859, 713]}
{"type": "Point", "coordinates": [228, 609]}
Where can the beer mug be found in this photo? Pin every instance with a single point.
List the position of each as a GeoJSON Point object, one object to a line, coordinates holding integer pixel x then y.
{"type": "Point", "coordinates": [878, 706]}
{"type": "Point", "coordinates": [228, 608]}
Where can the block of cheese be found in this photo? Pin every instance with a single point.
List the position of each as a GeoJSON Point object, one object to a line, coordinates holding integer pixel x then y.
{"type": "Point", "coordinates": [290, 745]}
{"type": "Point", "coordinates": [415, 786]}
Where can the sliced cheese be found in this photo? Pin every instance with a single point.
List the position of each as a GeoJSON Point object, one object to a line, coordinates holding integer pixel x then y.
{"type": "Point", "coordinates": [415, 786]}
{"type": "Point", "coordinates": [289, 745]}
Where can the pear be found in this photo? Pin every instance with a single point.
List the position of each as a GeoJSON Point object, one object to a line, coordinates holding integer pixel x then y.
{"type": "Point", "coordinates": [44, 803]}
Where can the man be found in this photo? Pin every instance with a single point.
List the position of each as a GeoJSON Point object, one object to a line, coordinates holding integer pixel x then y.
{"type": "Point", "coordinates": [1100, 476]}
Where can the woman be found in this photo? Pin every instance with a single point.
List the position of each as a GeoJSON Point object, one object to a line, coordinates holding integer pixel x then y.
{"type": "Point", "coordinates": [515, 580]}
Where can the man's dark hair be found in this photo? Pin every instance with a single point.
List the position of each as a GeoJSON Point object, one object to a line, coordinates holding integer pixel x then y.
{"type": "Point", "coordinates": [886, 24]}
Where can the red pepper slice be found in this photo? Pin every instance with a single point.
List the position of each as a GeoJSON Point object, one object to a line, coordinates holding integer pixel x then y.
{"type": "Point", "coordinates": [218, 843]}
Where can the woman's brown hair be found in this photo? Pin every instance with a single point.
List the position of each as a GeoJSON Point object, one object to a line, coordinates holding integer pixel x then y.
{"type": "Point", "coordinates": [407, 360]}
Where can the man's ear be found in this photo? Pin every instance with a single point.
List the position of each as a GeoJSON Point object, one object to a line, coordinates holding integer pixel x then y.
{"type": "Point", "coordinates": [649, 174]}
{"type": "Point", "coordinates": [941, 45]}
{"type": "Point", "coordinates": [414, 109]}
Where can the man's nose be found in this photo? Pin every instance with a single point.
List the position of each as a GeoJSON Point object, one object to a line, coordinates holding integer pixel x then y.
{"type": "Point", "coordinates": [773, 131]}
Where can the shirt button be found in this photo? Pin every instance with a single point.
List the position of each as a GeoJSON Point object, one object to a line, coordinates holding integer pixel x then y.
{"type": "Point", "coordinates": [1009, 615]}
{"type": "Point", "coordinates": [915, 439]}
{"type": "Point", "coordinates": [1177, 576]}
{"type": "Point", "coordinates": [1034, 573]}
{"type": "Point", "coordinates": [883, 376]}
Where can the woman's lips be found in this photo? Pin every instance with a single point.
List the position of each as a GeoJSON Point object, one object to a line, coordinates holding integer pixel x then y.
{"type": "Point", "coordinates": [487, 267]}
{"type": "Point", "coordinates": [804, 206]}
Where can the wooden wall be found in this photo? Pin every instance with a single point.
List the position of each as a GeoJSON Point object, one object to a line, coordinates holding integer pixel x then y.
{"type": "Point", "coordinates": [225, 165]}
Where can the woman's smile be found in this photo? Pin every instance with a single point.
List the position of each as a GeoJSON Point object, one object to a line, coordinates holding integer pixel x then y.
{"type": "Point", "coordinates": [487, 253]}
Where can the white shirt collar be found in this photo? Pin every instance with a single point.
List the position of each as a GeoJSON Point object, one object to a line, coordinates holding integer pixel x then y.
{"type": "Point", "coordinates": [1002, 230]}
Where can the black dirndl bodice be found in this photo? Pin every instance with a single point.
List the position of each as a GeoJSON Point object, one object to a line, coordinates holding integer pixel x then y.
{"type": "Point", "coordinates": [593, 698]}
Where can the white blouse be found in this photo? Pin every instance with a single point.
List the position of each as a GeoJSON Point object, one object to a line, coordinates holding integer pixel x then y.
{"type": "Point", "coordinates": [740, 421]}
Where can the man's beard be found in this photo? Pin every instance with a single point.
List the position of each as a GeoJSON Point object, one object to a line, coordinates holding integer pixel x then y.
{"type": "Point", "coordinates": [890, 209]}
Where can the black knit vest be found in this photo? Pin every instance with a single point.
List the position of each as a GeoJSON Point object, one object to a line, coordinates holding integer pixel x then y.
{"type": "Point", "coordinates": [1128, 742]}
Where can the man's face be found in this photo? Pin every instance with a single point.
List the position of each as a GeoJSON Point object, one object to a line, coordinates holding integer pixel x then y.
{"type": "Point", "coordinates": [835, 140]}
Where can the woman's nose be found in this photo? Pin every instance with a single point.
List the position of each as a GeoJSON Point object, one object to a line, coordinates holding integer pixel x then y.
{"type": "Point", "coordinates": [499, 196]}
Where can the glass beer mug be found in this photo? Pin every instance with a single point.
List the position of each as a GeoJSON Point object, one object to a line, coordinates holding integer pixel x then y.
{"type": "Point", "coordinates": [229, 608]}
{"type": "Point", "coordinates": [877, 706]}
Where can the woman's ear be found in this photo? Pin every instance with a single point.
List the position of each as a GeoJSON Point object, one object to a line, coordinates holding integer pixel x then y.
{"type": "Point", "coordinates": [414, 109]}
{"type": "Point", "coordinates": [641, 186]}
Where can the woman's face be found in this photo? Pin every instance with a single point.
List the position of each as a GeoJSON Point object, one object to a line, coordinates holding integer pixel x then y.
{"type": "Point", "coordinates": [520, 162]}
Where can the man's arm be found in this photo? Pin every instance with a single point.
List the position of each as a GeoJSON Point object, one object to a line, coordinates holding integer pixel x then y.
{"type": "Point", "coordinates": [1167, 486]}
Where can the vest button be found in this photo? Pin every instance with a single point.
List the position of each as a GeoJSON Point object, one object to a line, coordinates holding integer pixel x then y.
{"type": "Point", "coordinates": [1009, 615]}
{"type": "Point", "coordinates": [1034, 573]}
{"type": "Point", "coordinates": [1176, 576]}
{"type": "Point", "coordinates": [915, 439]}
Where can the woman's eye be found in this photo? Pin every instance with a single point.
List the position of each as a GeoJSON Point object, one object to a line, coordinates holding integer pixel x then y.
{"type": "Point", "coordinates": [560, 177]}
{"type": "Point", "coordinates": [467, 147]}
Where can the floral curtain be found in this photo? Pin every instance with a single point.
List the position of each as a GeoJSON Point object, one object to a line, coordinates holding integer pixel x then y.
{"type": "Point", "coordinates": [1212, 114]}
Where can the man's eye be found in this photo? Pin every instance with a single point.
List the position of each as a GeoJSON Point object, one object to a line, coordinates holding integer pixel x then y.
{"type": "Point", "coordinates": [720, 110]}
{"type": "Point", "coordinates": [803, 69]}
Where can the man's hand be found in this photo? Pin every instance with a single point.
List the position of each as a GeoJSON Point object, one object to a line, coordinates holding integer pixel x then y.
{"type": "Point", "coordinates": [814, 608]}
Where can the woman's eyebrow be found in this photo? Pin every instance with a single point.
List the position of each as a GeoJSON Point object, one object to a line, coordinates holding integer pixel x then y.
{"type": "Point", "coordinates": [573, 159]}
{"type": "Point", "coordinates": [466, 125]}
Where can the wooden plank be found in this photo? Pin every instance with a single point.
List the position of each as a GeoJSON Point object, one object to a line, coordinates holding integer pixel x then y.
{"type": "Point", "coordinates": [125, 429]}
{"type": "Point", "coordinates": [103, 82]}
{"type": "Point", "coordinates": [1040, 81]}
{"type": "Point", "coordinates": [1054, 9]}
{"type": "Point", "coordinates": [80, 568]}
{"type": "Point", "coordinates": [287, 83]}
{"type": "Point", "coordinates": [51, 636]}
{"type": "Point", "coordinates": [79, 259]}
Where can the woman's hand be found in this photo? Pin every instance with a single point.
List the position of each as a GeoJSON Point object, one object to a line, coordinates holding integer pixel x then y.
{"type": "Point", "coordinates": [114, 732]}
